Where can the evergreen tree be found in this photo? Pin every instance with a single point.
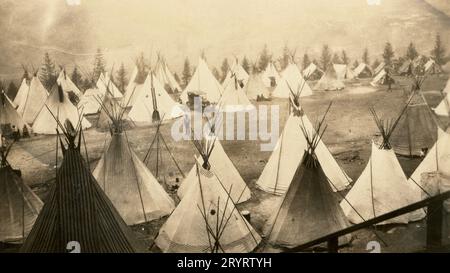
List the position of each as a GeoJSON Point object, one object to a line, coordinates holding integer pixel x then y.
{"type": "Point", "coordinates": [325, 57]}
{"type": "Point", "coordinates": [286, 58]}
{"type": "Point", "coordinates": [336, 59]}
{"type": "Point", "coordinates": [344, 57]}
{"type": "Point", "coordinates": [388, 54]}
{"type": "Point", "coordinates": [411, 52]}
{"type": "Point", "coordinates": [12, 90]}
{"type": "Point", "coordinates": [246, 65]}
{"type": "Point", "coordinates": [99, 64]}
{"type": "Point", "coordinates": [187, 72]}
{"type": "Point", "coordinates": [224, 68]}
{"type": "Point", "coordinates": [264, 59]}
{"type": "Point", "coordinates": [47, 73]}
{"type": "Point", "coordinates": [142, 67]}
{"type": "Point", "coordinates": [306, 62]}
{"type": "Point", "coordinates": [438, 52]}
{"type": "Point", "coordinates": [76, 77]}
{"type": "Point", "coordinates": [121, 78]}
{"type": "Point", "coordinates": [365, 56]}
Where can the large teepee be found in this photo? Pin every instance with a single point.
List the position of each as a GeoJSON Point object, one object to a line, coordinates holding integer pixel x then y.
{"type": "Point", "coordinates": [125, 179]}
{"type": "Point", "coordinates": [270, 76]}
{"type": "Point", "coordinates": [382, 187]}
{"type": "Point", "coordinates": [19, 205]}
{"type": "Point", "coordinates": [78, 210]}
{"type": "Point", "coordinates": [234, 98]}
{"type": "Point", "coordinates": [288, 154]}
{"type": "Point", "coordinates": [206, 219]}
{"type": "Point", "coordinates": [165, 77]}
{"type": "Point", "coordinates": [256, 89]}
{"type": "Point", "coordinates": [34, 100]}
{"type": "Point", "coordinates": [329, 81]}
{"type": "Point", "coordinates": [312, 72]}
{"type": "Point", "coordinates": [22, 93]}
{"type": "Point", "coordinates": [10, 121]}
{"type": "Point", "coordinates": [309, 209]}
{"type": "Point", "coordinates": [291, 79]}
{"type": "Point", "coordinates": [154, 103]}
{"type": "Point", "coordinates": [58, 106]}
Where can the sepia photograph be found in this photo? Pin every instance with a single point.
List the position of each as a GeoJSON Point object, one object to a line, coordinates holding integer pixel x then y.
{"type": "Point", "coordinates": [230, 127]}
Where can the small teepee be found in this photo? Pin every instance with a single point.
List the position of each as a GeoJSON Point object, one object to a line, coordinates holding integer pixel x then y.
{"type": "Point", "coordinates": [125, 179]}
{"type": "Point", "coordinates": [291, 79]}
{"type": "Point", "coordinates": [312, 72]}
{"type": "Point", "coordinates": [10, 121]}
{"type": "Point", "coordinates": [206, 219]}
{"type": "Point", "coordinates": [22, 93]}
{"type": "Point", "coordinates": [105, 84]}
{"type": "Point", "coordinates": [69, 87]}
{"type": "Point", "coordinates": [382, 187]}
{"type": "Point", "coordinates": [270, 76]}
{"type": "Point", "coordinates": [88, 103]}
{"type": "Point", "coordinates": [255, 88]}
{"type": "Point", "coordinates": [363, 71]}
{"type": "Point", "coordinates": [165, 77]}
{"type": "Point", "coordinates": [309, 209]}
{"type": "Point", "coordinates": [236, 72]}
{"type": "Point", "coordinates": [329, 81]}
{"type": "Point", "coordinates": [233, 98]}
{"type": "Point", "coordinates": [19, 205]}
{"type": "Point", "coordinates": [34, 100]}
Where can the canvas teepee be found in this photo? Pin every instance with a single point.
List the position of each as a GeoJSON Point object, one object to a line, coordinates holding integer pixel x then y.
{"type": "Point", "coordinates": [309, 209]}
{"type": "Point", "coordinates": [57, 106]}
{"type": "Point", "coordinates": [343, 72]}
{"type": "Point", "coordinates": [406, 69]}
{"type": "Point", "coordinates": [382, 187]}
{"type": "Point", "coordinates": [10, 120]}
{"type": "Point", "coordinates": [69, 87]}
{"type": "Point", "coordinates": [19, 205]}
{"type": "Point", "coordinates": [132, 189]}
{"type": "Point", "coordinates": [329, 81]}
{"type": "Point", "coordinates": [34, 100]}
{"type": "Point", "coordinates": [78, 210]}
{"type": "Point", "coordinates": [88, 103]}
{"type": "Point", "coordinates": [382, 78]}
{"type": "Point", "coordinates": [204, 84]}
{"type": "Point", "coordinates": [108, 105]}
{"type": "Point", "coordinates": [206, 219]}
{"type": "Point", "coordinates": [255, 88]}
{"type": "Point", "coordinates": [233, 98]}
{"type": "Point", "coordinates": [363, 71]}
{"type": "Point", "coordinates": [431, 67]}
{"type": "Point", "coordinates": [154, 103]}
{"type": "Point", "coordinates": [270, 76]}
{"type": "Point", "coordinates": [378, 69]}
{"type": "Point", "coordinates": [105, 84]}
{"type": "Point", "coordinates": [312, 72]}
{"type": "Point", "coordinates": [22, 93]}
{"type": "Point", "coordinates": [236, 72]}
{"type": "Point", "coordinates": [443, 108]}
{"type": "Point", "coordinates": [291, 79]}
{"type": "Point", "coordinates": [288, 153]}
{"type": "Point", "coordinates": [165, 77]}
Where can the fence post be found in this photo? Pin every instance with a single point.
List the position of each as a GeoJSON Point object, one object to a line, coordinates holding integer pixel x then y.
{"type": "Point", "coordinates": [333, 245]}
{"type": "Point", "coordinates": [434, 225]}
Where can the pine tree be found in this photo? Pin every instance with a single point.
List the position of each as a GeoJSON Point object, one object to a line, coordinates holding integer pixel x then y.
{"type": "Point", "coordinates": [76, 77]}
{"type": "Point", "coordinates": [47, 73]}
{"type": "Point", "coordinates": [264, 59]}
{"type": "Point", "coordinates": [438, 52]}
{"type": "Point", "coordinates": [286, 58]}
{"type": "Point", "coordinates": [12, 90]}
{"type": "Point", "coordinates": [411, 52]}
{"type": "Point", "coordinates": [142, 67]}
{"type": "Point", "coordinates": [344, 57]}
{"type": "Point", "coordinates": [336, 59]}
{"type": "Point", "coordinates": [186, 74]}
{"type": "Point", "coordinates": [306, 62]}
{"type": "Point", "coordinates": [121, 78]}
{"type": "Point", "coordinates": [365, 56]}
{"type": "Point", "coordinates": [325, 57]}
{"type": "Point", "coordinates": [246, 65]}
{"type": "Point", "coordinates": [224, 68]}
{"type": "Point", "coordinates": [388, 54]}
{"type": "Point", "coordinates": [99, 64]}
{"type": "Point", "coordinates": [216, 74]}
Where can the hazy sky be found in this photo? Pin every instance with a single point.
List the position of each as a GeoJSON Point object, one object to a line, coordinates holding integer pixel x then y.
{"type": "Point", "coordinates": [222, 28]}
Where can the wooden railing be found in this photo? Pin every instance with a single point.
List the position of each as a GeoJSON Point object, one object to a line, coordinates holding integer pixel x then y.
{"type": "Point", "coordinates": [434, 222]}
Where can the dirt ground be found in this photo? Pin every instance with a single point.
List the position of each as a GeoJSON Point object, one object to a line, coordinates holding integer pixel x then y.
{"type": "Point", "coordinates": [349, 132]}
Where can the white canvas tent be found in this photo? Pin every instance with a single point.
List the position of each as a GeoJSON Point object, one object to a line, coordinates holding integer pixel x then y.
{"type": "Point", "coordinates": [22, 93]}
{"type": "Point", "coordinates": [105, 84]}
{"type": "Point", "coordinates": [10, 120]}
{"type": "Point", "coordinates": [431, 67]}
{"type": "Point", "coordinates": [165, 77]}
{"type": "Point", "coordinates": [234, 98]}
{"type": "Point", "coordinates": [89, 102]}
{"type": "Point", "coordinates": [57, 106]}
{"type": "Point", "coordinates": [443, 108]}
{"type": "Point", "coordinates": [256, 89]}
{"type": "Point", "coordinates": [288, 153]}
{"type": "Point", "coordinates": [67, 85]}
{"type": "Point", "coordinates": [291, 79]}
{"type": "Point", "coordinates": [379, 68]}
{"type": "Point", "coordinates": [33, 101]}
{"type": "Point", "coordinates": [329, 81]}
{"type": "Point", "coordinates": [343, 72]}
{"type": "Point", "coordinates": [363, 71]}
{"type": "Point", "coordinates": [270, 76]}
{"type": "Point", "coordinates": [203, 83]}
{"type": "Point", "coordinates": [381, 78]}
{"type": "Point", "coordinates": [236, 72]}
{"type": "Point", "coordinates": [152, 99]}
{"type": "Point", "coordinates": [312, 72]}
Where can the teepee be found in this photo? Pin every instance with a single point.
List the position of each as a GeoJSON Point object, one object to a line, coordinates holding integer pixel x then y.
{"type": "Point", "coordinates": [443, 108]}
{"type": "Point", "coordinates": [291, 79]}
{"type": "Point", "coordinates": [105, 84]}
{"type": "Point", "coordinates": [363, 71]}
{"type": "Point", "coordinates": [382, 78]}
{"type": "Point", "coordinates": [406, 69]}
{"type": "Point", "coordinates": [312, 72]}
{"type": "Point", "coordinates": [329, 81]}
{"type": "Point", "coordinates": [154, 103]}
{"type": "Point", "coordinates": [206, 219]}
{"type": "Point", "coordinates": [10, 120]}
{"type": "Point", "coordinates": [204, 84]}
{"type": "Point", "coordinates": [343, 72]}
{"type": "Point", "coordinates": [19, 205]}
{"type": "Point", "coordinates": [270, 76]}
{"type": "Point", "coordinates": [416, 130]}
{"type": "Point", "coordinates": [378, 69]}
{"type": "Point", "coordinates": [57, 106]}
{"type": "Point", "coordinates": [132, 189]}
{"type": "Point", "coordinates": [256, 89]}
{"type": "Point", "coordinates": [22, 93]}
{"type": "Point", "coordinates": [234, 98]}
{"type": "Point", "coordinates": [78, 210]}
{"type": "Point", "coordinates": [382, 187]}
{"type": "Point", "coordinates": [34, 100]}
{"type": "Point", "coordinates": [288, 153]}
{"type": "Point", "coordinates": [236, 72]}
{"type": "Point", "coordinates": [69, 87]}
{"type": "Point", "coordinates": [165, 77]}
{"type": "Point", "coordinates": [88, 103]}
{"type": "Point", "coordinates": [309, 209]}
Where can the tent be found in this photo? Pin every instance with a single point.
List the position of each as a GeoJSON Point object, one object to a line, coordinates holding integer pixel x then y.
{"type": "Point", "coordinates": [108, 105]}
{"type": "Point", "coordinates": [10, 120]}
{"type": "Point", "coordinates": [19, 205]}
{"type": "Point", "coordinates": [378, 69]}
{"type": "Point", "coordinates": [234, 98]}
{"type": "Point", "coordinates": [203, 83]}
{"type": "Point", "coordinates": [89, 101]}
{"type": "Point", "coordinates": [206, 219]}
{"type": "Point", "coordinates": [236, 72]}
{"type": "Point", "coordinates": [431, 67]}
{"type": "Point", "coordinates": [226, 173]}
{"type": "Point", "coordinates": [152, 101]}
{"type": "Point", "coordinates": [105, 84]}
{"type": "Point", "coordinates": [382, 78]}
{"type": "Point", "coordinates": [343, 72]}
{"type": "Point", "coordinates": [363, 71]}
{"type": "Point", "coordinates": [165, 77]}
{"type": "Point", "coordinates": [291, 79]}
{"type": "Point", "coordinates": [256, 89]}
{"type": "Point", "coordinates": [416, 129]}
{"type": "Point", "coordinates": [57, 106]}
{"type": "Point", "coordinates": [312, 72]}
{"type": "Point", "coordinates": [77, 210]}
{"type": "Point", "coordinates": [132, 90]}
{"type": "Point", "coordinates": [34, 101]}
{"type": "Point", "coordinates": [406, 69]}
{"type": "Point", "coordinates": [443, 108]}
{"type": "Point", "coordinates": [131, 187]}
{"type": "Point", "coordinates": [309, 209]}
{"type": "Point", "coordinates": [69, 87]}
{"type": "Point", "coordinates": [22, 93]}
{"type": "Point", "coordinates": [270, 76]}
{"type": "Point", "coordinates": [382, 186]}
{"type": "Point", "coordinates": [288, 153]}
{"type": "Point", "coordinates": [329, 81]}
